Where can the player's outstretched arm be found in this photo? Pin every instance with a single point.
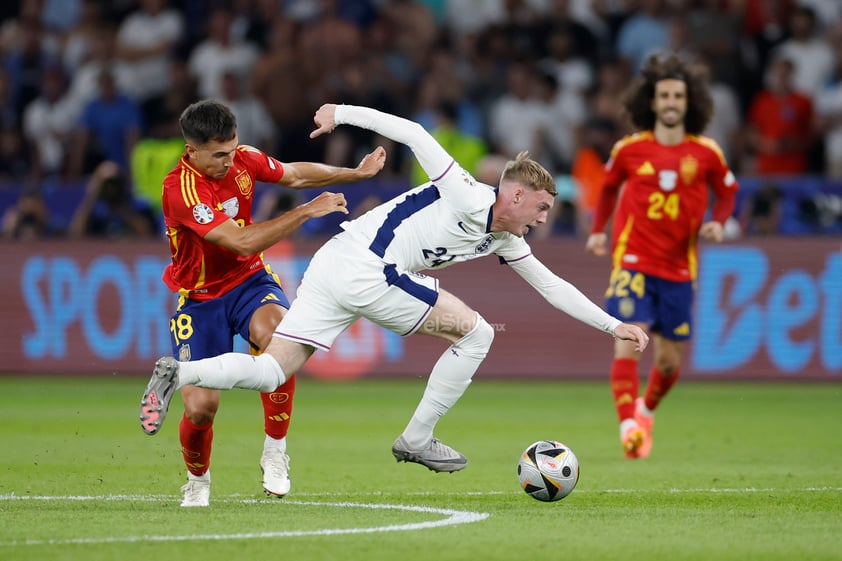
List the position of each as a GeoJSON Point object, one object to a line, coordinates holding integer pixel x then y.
{"type": "Point", "coordinates": [255, 238]}
{"type": "Point", "coordinates": [629, 332]}
{"type": "Point", "coordinates": [562, 295]}
{"type": "Point", "coordinates": [433, 158]}
{"type": "Point", "coordinates": [305, 175]}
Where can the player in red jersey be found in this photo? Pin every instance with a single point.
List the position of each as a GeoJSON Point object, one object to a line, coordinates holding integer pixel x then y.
{"type": "Point", "coordinates": [665, 171]}
{"type": "Point", "coordinates": [223, 284]}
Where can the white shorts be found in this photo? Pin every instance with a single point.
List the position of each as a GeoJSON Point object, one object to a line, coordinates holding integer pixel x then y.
{"type": "Point", "coordinates": [346, 281]}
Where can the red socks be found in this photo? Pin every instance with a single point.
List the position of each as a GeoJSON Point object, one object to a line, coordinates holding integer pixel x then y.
{"type": "Point", "coordinates": [277, 409]}
{"type": "Point", "coordinates": [196, 441]}
{"type": "Point", "coordinates": [624, 385]}
{"type": "Point", "coordinates": [659, 385]}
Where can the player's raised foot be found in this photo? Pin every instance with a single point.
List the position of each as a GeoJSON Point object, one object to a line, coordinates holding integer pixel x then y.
{"type": "Point", "coordinates": [196, 492]}
{"type": "Point", "coordinates": [275, 467]}
{"type": "Point", "coordinates": [645, 420]}
{"type": "Point", "coordinates": [633, 439]}
{"type": "Point", "coordinates": [156, 399]}
{"type": "Point", "coordinates": [437, 455]}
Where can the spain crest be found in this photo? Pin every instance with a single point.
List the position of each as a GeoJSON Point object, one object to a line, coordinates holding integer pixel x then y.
{"type": "Point", "coordinates": [244, 183]}
{"type": "Point", "coordinates": [688, 168]}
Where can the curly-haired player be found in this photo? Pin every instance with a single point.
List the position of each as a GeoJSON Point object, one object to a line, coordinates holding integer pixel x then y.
{"type": "Point", "coordinates": [666, 170]}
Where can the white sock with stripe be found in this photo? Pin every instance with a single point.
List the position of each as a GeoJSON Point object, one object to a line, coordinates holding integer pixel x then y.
{"type": "Point", "coordinates": [449, 379]}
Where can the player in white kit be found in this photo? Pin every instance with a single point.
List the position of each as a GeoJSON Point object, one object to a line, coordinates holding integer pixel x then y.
{"type": "Point", "coordinates": [373, 270]}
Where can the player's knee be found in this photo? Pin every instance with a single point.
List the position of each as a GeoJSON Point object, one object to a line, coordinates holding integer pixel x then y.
{"type": "Point", "coordinates": [667, 365]}
{"type": "Point", "coordinates": [199, 416]}
{"type": "Point", "coordinates": [478, 341]}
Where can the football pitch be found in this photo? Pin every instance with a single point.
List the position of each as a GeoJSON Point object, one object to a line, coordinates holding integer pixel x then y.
{"type": "Point", "coordinates": [738, 472]}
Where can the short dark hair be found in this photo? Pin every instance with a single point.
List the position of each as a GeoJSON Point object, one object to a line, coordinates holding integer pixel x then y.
{"type": "Point", "coordinates": [207, 120]}
{"type": "Point", "coordinates": [638, 98]}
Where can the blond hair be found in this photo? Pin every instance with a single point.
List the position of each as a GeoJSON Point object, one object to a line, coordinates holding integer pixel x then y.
{"type": "Point", "coordinates": [530, 173]}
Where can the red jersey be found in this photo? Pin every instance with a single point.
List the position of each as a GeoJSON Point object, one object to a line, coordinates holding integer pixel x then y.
{"type": "Point", "coordinates": [778, 118]}
{"type": "Point", "coordinates": [663, 203]}
{"type": "Point", "coordinates": [194, 204]}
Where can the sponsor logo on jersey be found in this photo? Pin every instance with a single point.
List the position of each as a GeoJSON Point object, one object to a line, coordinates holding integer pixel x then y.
{"type": "Point", "coordinates": [202, 213]}
{"type": "Point", "coordinates": [244, 183]}
{"type": "Point", "coordinates": [688, 168]}
{"type": "Point", "coordinates": [646, 169]}
{"type": "Point", "coordinates": [486, 243]}
{"type": "Point", "coordinates": [462, 227]}
{"type": "Point", "coordinates": [231, 207]}
{"type": "Point", "coordinates": [667, 179]}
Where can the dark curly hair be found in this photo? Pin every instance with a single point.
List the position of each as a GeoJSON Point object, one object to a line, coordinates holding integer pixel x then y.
{"type": "Point", "coordinates": [638, 98]}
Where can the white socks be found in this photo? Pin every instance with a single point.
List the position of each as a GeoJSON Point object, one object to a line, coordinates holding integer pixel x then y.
{"type": "Point", "coordinates": [233, 370]}
{"type": "Point", "coordinates": [204, 477]}
{"type": "Point", "coordinates": [273, 444]}
{"type": "Point", "coordinates": [449, 379]}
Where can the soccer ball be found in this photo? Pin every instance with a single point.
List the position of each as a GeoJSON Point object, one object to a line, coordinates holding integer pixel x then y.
{"type": "Point", "coordinates": [548, 470]}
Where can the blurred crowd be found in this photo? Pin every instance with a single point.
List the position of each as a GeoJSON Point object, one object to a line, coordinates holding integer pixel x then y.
{"type": "Point", "coordinates": [91, 90]}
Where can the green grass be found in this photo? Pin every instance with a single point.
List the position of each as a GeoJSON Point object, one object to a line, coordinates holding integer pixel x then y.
{"type": "Point", "coordinates": [738, 472]}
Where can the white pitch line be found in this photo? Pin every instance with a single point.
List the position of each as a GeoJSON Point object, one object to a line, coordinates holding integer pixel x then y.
{"type": "Point", "coordinates": [236, 497]}
{"type": "Point", "coordinates": [453, 517]}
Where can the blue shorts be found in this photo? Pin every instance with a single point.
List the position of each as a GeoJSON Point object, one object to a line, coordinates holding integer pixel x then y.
{"type": "Point", "coordinates": [206, 329]}
{"type": "Point", "coordinates": [666, 306]}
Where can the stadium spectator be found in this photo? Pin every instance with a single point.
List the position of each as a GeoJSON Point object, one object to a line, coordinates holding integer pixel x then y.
{"type": "Point", "coordinates": [444, 82]}
{"type": "Point", "coordinates": [762, 214]}
{"type": "Point", "coordinates": [829, 109]}
{"type": "Point", "coordinates": [764, 27]}
{"type": "Point", "coordinates": [665, 171]}
{"type": "Point", "coordinates": [219, 52]}
{"type": "Point", "coordinates": [288, 107]}
{"type": "Point", "coordinates": [565, 111]}
{"type": "Point", "coordinates": [644, 32]}
{"type": "Point", "coordinates": [145, 40]}
{"type": "Point", "coordinates": [108, 129]}
{"type": "Point", "coordinates": [809, 51]}
{"type": "Point", "coordinates": [567, 63]}
{"type": "Point", "coordinates": [254, 125]}
{"type": "Point", "coordinates": [15, 164]}
{"type": "Point", "coordinates": [726, 122]}
{"type": "Point", "coordinates": [517, 118]}
{"type": "Point", "coordinates": [25, 64]}
{"type": "Point", "coordinates": [84, 86]}
{"type": "Point", "coordinates": [28, 219]}
{"type": "Point", "coordinates": [588, 170]}
{"type": "Point", "coordinates": [779, 124]}
{"type": "Point", "coordinates": [469, 149]}
{"type": "Point", "coordinates": [48, 122]}
{"type": "Point", "coordinates": [78, 39]}
{"type": "Point", "coordinates": [8, 116]}
{"type": "Point", "coordinates": [109, 210]}
{"type": "Point", "coordinates": [605, 101]}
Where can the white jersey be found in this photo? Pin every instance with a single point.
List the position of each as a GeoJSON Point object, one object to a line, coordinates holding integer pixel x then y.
{"type": "Point", "coordinates": [436, 225]}
{"type": "Point", "coordinates": [448, 220]}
